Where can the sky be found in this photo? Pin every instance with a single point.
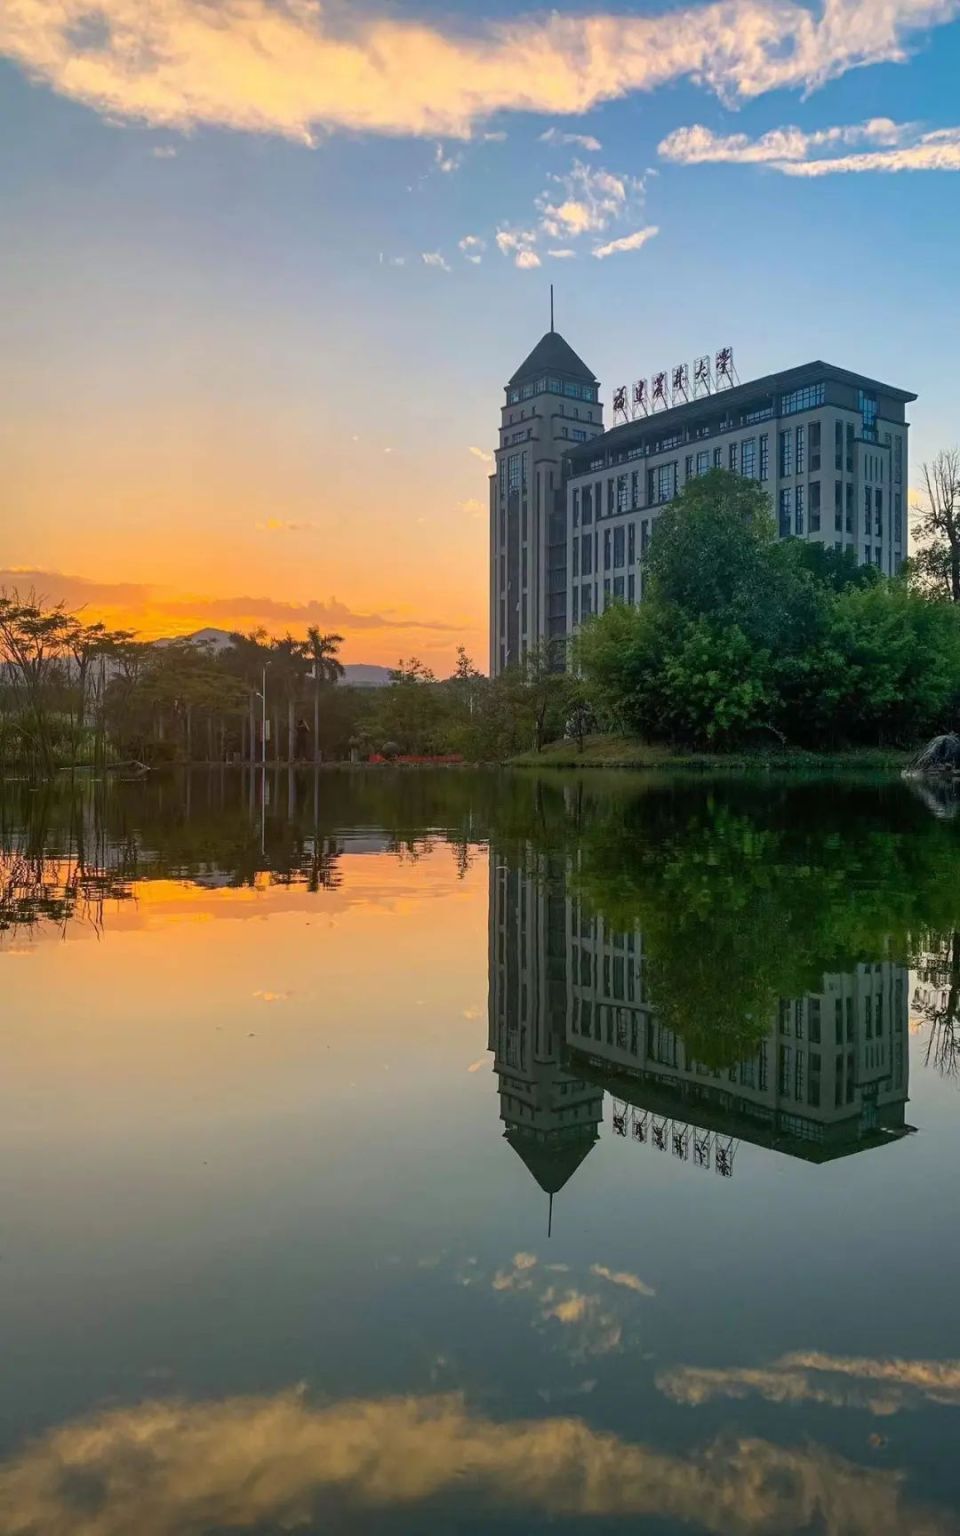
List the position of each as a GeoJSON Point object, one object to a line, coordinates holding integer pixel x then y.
{"type": "Point", "coordinates": [266, 266]}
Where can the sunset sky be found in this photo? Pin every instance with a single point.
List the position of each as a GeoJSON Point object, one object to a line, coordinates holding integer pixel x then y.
{"type": "Point", "coordinates": [267, 264]}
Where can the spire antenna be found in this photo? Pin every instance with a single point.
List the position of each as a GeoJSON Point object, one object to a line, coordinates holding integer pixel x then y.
{"type": "Point", "coordinates": [550, 1208]}
{"type": "Point", "coordinates": [551, 308]}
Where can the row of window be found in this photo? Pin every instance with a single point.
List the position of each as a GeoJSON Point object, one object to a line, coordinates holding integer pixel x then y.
{"type": "Point", "coordinates": [553, 386]}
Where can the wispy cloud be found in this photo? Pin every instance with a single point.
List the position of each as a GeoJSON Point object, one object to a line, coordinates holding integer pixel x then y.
{"type": "Point", "coordinates": [283, 525]}
{"type": "Point", "coordinates": [473, 248]}
{"type": "Point", "coordinates": [892, 147]}
{"type": "Point", "coordinates": [624, 1278]}
{"type": "Point", "coordinates": [481, 454]}
{"type": "Point", "coordinates": [633, 242]}
{"type": "Point", "coordinates": [880, 1386]}
{"type": "Point", "coordinates": [435, 259]}
{"type": "Point", "coordinates": [562, 255]}
{"type": "Point", "coordinates": [584, 141]}
{"type": "Point", "coordinates": [165, 610]}
{"type": "Point", "coordinates": [164, 152]}
{"type": "Point", "coordinates": [446, 162]}
{"type": "Point", "coordinates": [283, 1460]}
{"type": "Point", "coordinates": [519, 245]}
{"type": "Point", "coordinates": [300, 68]}
{"type": "Point", "coordinates": [590, 200]}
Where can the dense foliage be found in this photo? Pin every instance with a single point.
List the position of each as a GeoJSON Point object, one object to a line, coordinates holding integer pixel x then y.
{"type": "Point", "coordinates": [743, 637]}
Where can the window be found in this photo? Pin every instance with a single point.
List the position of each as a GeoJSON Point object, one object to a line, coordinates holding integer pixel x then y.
{"type": "Point", "coordinates": [814, 447]}
{"type": "Point", "coordinates": [733, 457]}
{"type": "Point", "coordinates": [576, 557]}
{"type": "Point", "coordinates": [801, 450]}
{"type": "Point", "coordinates": [644, 536]}
{"type": "Point", "coordinates": [666, 482]}
{"type": "Point", "coordinates": [838, 445]}
{"type": "Point", "coordinates": [868, 412]}
{"type": "Point", "coordinates": [786, 453]}
{"type": "Point", "coordinates": [814, 506]}
{"type": "Point", "coordinates": [631, 543]}
{"type": "Point", "coordinates": [786, 512]}
{"type": "Point", "coordinates": [586, 555]}
{"type": "Point", "coordinates": [849, 448]}
{"type": "Point", "coordinates": [623, 493]}
{"type": "Point", "coordinates": [802, 400]}
{"type": "Point", "coordinates": [606, 593]}
{"type": "Point", "coordinates": [618, 588]}
{"type": "Point", "coordinates": [688, 466]}
{"type": "Point", "coordinates": [631, 588]}
{"type": "Point", "coordinates": [848, 511]}
{"type": "Point", "coordinates": [868, 554]}
{"type": "Point", "coordinates": [897, 517]}
{"type": "Point", "coordinates": [610, 496]}
{"type": "Point", "coordinates": [576, 604]}
{"type": "Point", "coordinates": [867, 509]}
{"type": "Point", "coordinates": [748, 458]}
{"type": "Point", "coordinates": [618, 543]}
{"type": "Point", "coordinates": [878, 513]}
{"type": "Point", "coordinates": [718, 458]}
{"type": "Point", "coordinates": [800, 504]}
{"type": "Point", "coordinates": [606, 549]}
{"type": "Point", "coordinates": [765, 456]}
{"type": "Point", "coordinates": [635, 488]}
{"type": "Point", "coordinates": [703, 463]}
{"type": "Point", "coordinates": [586, 602]}
{"type": "Point", "coordinates": [578, 435]}
{"type": "Point", "coordinates": [587, 506]}
{"type": "Point", "coordinates": [576, 509]}
{"type": "Point", "coordinates": [838, 505]}
{"type": "Point", "coordinates": [898, 460]}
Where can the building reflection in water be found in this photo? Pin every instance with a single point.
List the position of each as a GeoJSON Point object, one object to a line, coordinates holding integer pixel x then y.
{"type": "Point", "coordinates": [570, 1019]}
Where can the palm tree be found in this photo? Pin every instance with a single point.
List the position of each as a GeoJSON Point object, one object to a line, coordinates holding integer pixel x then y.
{"type": "Point", "coordinates": [287, 657]}
{"type": "Point", "coordinates": [246, 657]}
{"type": "Point", "coordinates": [322, 653]}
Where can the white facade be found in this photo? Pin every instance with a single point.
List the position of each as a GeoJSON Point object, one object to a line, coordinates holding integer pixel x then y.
{"type": "Point", "coordinates": [829, 447]}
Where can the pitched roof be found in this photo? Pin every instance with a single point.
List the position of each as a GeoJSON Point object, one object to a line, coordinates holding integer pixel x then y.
{"type": "Point", "coordinates": [555, 1161]}
{"type": "Point", "coordinates": [553, 355]}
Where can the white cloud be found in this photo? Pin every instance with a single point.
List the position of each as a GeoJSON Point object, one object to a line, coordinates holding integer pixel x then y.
{"type": "Point", "coordinates": [473, 248]}
{"type": "Point", "coordinates": [562, 255]}
{"type": "Point", "coordinates": [880, 1386]}
{"type": "Point", "coordinates": [446, 162]}
{"type": "Point", "coordinates": [519, 244]}
{"type": "Point", "coordinates": [585, 141]}
{"type": "Point", "coordinates": [435, 259]}
{"type": "Point", "coordinates": [497, 137]}
{"type": "Point", "coordinates": [473, 508]}
{"type": "Point", "coordinates": [591, 199]}
{"type": "Point", "coordinates": [164, 152]}
{"type": "Point", "coordinates": [481, 454]}
{"type": "Point", "coordinates": [300, 68]}
{"type": "Point", "coordinates": [626, 243]}
{"type": "Point", "coordinates": [281, 1462]}
{"type": "Point", "coordinates": [892, 147]}
{"type": "Point", "coordinates": [624, 1278]}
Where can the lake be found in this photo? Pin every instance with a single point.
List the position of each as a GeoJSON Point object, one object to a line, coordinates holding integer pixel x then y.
{"type": "Point", "coordinates": [409, 1152]}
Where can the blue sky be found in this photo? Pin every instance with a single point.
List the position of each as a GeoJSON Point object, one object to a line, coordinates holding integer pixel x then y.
{"type": "Point", "coordinates": [231, 371]}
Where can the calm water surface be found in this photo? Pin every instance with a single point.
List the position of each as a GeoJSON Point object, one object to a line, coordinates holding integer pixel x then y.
{"type": "Point", "coordinates": [478, 1153]}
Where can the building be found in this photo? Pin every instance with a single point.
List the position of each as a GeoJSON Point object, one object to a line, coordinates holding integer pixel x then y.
{"type": "Point", "coordinates": [572, 506]}
{"type": "Point", "coordinates": [571, 1020]}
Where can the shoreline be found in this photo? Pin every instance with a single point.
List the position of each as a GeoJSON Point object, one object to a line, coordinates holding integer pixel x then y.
{"type": "Point", "coordinates": [621, 752]}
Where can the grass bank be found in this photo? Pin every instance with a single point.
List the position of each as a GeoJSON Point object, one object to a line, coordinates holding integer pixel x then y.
{"type": "Point", "coordinates": [627, 752]}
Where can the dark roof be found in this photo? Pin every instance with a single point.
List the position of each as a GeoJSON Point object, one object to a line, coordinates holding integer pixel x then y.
{"type": "Point", "coordinates": [552, 1162]}
{"type": "Point", "coordinates": [731, 399]}
{"type": "Point", "coordinates": [553, 355]}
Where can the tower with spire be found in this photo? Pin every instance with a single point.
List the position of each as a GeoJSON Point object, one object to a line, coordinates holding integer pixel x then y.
{"type": "Point", "coordinates": [551, 403]}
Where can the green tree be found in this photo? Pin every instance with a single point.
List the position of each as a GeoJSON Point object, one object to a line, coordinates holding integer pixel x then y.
{"type": "Point", "coordinates": [322, 653]}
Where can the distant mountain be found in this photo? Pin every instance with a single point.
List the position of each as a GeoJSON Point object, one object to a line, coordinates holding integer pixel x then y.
{"type": "Point", "coordinates": [355, 674]}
